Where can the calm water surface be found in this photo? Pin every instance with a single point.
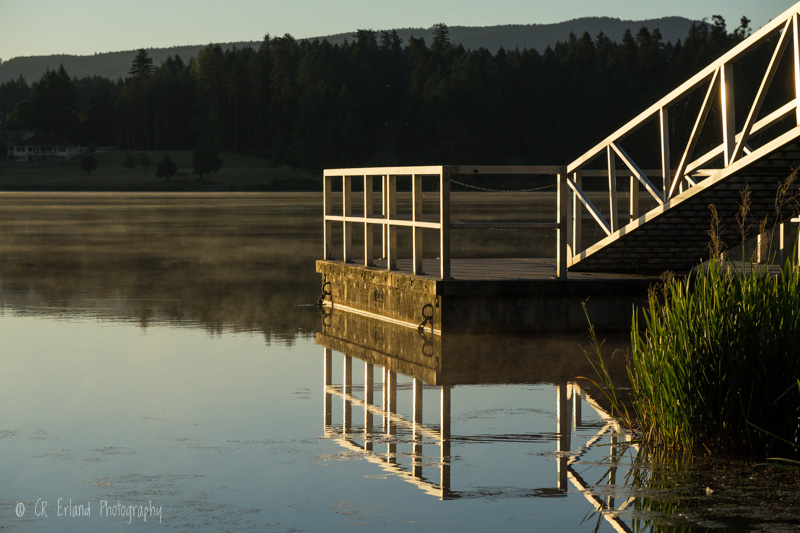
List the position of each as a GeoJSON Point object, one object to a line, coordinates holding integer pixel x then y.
{"type": "Point", "coordinates": [165, 368]}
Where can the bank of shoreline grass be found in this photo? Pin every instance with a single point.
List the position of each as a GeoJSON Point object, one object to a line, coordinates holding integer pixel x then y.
{"type": "Point", "coordinates": [716, 359]}
{"type": "Point", "coordinates": [238, 173]}
{"type": "Point", "coordinates": [714, 364]}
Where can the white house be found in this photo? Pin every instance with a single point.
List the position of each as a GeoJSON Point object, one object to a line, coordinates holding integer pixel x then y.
{"type": "Point", "coordinates": [45, 148]}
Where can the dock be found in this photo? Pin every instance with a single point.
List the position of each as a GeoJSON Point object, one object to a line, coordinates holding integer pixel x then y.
{"type": "Point", "coordinates": [487, 295]}
{"type": "Point", "coordinates": [647, 189]}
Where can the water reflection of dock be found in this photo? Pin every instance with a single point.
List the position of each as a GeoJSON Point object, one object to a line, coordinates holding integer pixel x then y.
{"type": "Point", "coordinates": [364, 415]}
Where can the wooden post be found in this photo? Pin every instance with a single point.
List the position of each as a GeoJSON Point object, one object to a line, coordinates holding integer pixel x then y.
{"type": "Point", "coordinates": [796, 62]}
{"type": "Point", "coordinates": [633, 200]}
{"type": "Point", "coordinates": [577, 215]}
{"type": "Point", "coordinates": [728, 114]}
{"type": "Point", "coordinates": [369, 230]}
{"type": "Point", "coordinates": [416, 216]}
{"type": "Point", "coordinates": [444, 222]}
{"type": "Point", "coordinates": [761, 250]}
{"type": "Point", "coordinates": [612, 189]}
{"type": "Point", "coordinates": [328, 225]}
{"type": "Point", "coordinates": [384, 212]}
{"type": "Point", "coordinates": [347, 210]}
{"type": "Point", "coordinates": [561, 220]}
{"type": "Point", "coordinates": [391, 231]}
{"type": "Point", "coordinates": [666, 170]}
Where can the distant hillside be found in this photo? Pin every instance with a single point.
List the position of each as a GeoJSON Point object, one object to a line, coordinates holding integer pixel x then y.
{"type": "Point", "coordinates": [540, 36]}
{"type": "Point", "coordinates": [115, 65]}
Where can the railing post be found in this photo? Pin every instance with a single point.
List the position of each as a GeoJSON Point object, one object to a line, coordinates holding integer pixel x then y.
{"type": "Point", "coordinates": [666, 170]}
{"type": "Point", "coordinates": [728, 115]}
{"type": "Point", "coordinates": [612, 188]}
{"type": "Point", "coordinates": [444, 222]}
{"type": "Point", "coordinates": [384, 211]}
{"type": "Point", "coordinates": [328, 225]}
{"type": "Point", "coordinates": [369, 233]}
{"type": "Point", "coordinates": [796, 62]}
{"type": "Point", "coordinates": [633, 203]}
{"type": "Point", "coordinates": [577, 215]}
{"type": "Point", "coordinates": [416, 216]}
{"type": "Point", "coordinates": [391, 231]}
{"type": "Point", "coordinates": [347, 210]}
{"type": "Point", "coordinates": [561, 220]}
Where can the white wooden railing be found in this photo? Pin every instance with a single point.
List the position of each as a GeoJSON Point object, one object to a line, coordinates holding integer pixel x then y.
{"type": "Point", "coordinates": [389, 219]}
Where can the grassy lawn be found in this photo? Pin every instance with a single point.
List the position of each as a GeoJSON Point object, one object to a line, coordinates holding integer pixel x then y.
{"type": "Point", "coordinates": [238, 173]}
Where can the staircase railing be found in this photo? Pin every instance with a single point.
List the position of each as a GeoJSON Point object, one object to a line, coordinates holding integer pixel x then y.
{"type": "Point", "coordinates": [670, 180]}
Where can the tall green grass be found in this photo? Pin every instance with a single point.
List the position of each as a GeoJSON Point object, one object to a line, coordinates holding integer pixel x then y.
{"type": "Point", "coordinates": [717, 355]}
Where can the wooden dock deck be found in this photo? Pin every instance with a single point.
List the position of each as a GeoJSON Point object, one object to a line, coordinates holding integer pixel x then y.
{"type": "Point", "coordinates": [504, 268]}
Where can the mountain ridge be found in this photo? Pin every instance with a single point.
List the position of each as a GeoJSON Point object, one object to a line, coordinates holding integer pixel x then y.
{"type": "Point", "coordinates": [114, 65]}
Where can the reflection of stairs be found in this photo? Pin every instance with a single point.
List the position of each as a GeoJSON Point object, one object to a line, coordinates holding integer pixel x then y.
{"type": "Point", "coordinates": [757, 148]}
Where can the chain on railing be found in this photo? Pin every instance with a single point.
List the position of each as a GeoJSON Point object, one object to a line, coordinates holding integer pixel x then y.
{"type": "Point", "coordinates": [486, 189]}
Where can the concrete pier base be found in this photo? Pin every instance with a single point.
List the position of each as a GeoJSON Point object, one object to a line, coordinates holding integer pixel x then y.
{"type": "Point", "coordinates": [487, 295]}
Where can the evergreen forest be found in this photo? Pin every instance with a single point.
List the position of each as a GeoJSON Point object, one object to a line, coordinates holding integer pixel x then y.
{"type": "Point", "coordinates": [372, 100]}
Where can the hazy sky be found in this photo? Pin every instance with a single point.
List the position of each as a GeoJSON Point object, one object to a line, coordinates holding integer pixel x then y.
{"type": "Point", "coordinates": [83, 27]}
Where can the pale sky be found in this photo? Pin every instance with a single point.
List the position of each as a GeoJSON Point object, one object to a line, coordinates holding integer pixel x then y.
{"type": "Point", "coordinates": [85, 27]}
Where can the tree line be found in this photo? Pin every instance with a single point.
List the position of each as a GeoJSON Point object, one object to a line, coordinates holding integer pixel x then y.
{"type": "Point", "coordinates": [373, 99]}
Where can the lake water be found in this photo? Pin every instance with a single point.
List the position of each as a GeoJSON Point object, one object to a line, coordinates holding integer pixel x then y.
{"type": "Point", "coordinates": [165, 367]}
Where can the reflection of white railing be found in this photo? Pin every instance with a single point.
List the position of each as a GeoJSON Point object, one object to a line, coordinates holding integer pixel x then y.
{"type": "Point", "coordinates": [363, 439]}
{"type": "Point", "coordinates": [389, 219]}
{"type": "Point", "coordinates": [570, 399]}
{"type": "Point", "coordinates": [387, 411]}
